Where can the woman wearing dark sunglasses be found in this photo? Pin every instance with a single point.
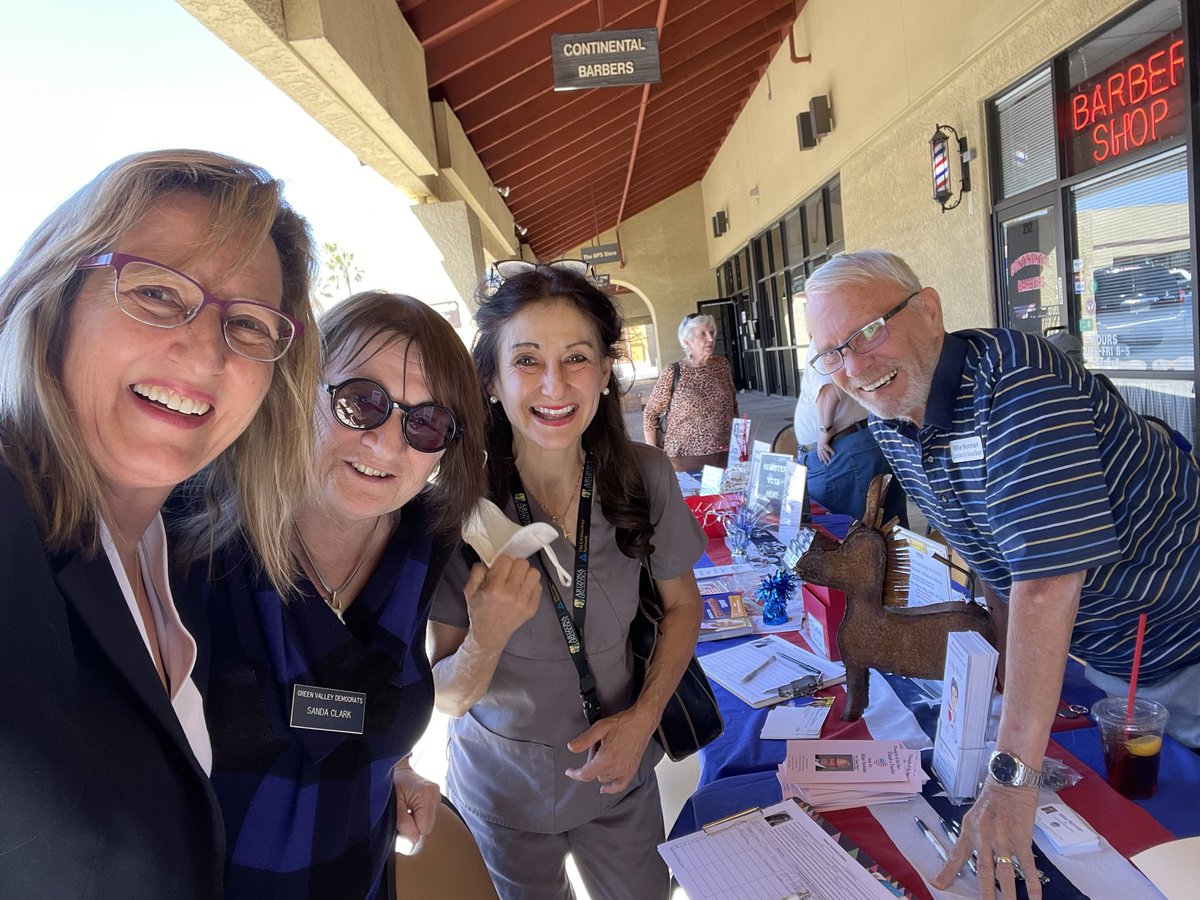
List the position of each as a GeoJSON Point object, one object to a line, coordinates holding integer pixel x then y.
{"type": "Point", "coordinates": [316, 698]}
{"type": "Point", "coordinates": [550, 752]}
{"type": "Point", "coordinates": [152, 327]}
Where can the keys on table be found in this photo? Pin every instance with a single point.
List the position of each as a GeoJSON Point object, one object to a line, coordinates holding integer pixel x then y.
{"type": "Point", "coordinates": [1071, 710]}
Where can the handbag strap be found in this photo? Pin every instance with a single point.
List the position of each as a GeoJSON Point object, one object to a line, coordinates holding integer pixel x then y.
{"type": "Point", "coordinates": [671, 396]}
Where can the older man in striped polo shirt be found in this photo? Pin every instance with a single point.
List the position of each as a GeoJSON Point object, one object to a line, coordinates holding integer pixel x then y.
{"type": "Point", "coordinates": [1059, 496]}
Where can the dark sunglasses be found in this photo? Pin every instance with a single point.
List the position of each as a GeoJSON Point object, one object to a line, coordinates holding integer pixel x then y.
{"type": "Point", "coordinates": [363, 404]}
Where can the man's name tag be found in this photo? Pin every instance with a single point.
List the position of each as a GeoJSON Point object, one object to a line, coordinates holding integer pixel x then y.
{"type": "Point", "coordinates": [968, 449]}
{"type": "Point", "coordinates": [328, 709]}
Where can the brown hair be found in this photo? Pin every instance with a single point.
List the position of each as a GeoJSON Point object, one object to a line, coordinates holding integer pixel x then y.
{"type": "Point", "coordinates": [350, 326]}
{"type": "Point", "coordinates": [623, 499]}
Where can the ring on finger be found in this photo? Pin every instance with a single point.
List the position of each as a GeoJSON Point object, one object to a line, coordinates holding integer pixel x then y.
{"type": "Point", "coordinates": [1003, 860]}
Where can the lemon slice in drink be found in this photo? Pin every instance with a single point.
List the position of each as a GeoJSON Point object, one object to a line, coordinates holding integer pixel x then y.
{"type": "Point", "coordinates": [1144, 745]}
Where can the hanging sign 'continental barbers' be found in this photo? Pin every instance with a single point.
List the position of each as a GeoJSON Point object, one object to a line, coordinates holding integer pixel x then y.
{"type": "Point", "coordinates": [605, 59]}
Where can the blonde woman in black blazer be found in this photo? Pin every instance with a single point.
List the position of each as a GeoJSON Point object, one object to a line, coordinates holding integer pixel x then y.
{"type": "Point", "coordinates": [156, 325]}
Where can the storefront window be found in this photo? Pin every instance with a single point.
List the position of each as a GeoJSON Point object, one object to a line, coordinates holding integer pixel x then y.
{"type": "Point", "coordinates": [1133, 281]}
{"type": "Point", "coordinates": [772, 271]}
{"type": "Point", "coordinates": [1132, 267]}
{"type": "Point", "coordinates": [1125, 88]}
{"type": "Point", "coordinates": [1025, 120]}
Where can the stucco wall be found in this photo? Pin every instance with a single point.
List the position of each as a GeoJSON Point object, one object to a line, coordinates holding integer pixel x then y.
{"type": "Point", "coordinates": [893, 70]}
{"type": "Point", "coordinates": [666, 265]}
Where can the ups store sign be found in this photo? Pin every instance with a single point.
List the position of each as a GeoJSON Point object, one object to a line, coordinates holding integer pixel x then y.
{"type": "Point", "coordinates": [605, 59]}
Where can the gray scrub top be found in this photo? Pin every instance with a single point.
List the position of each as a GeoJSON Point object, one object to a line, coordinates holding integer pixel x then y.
{"type": "Point", "coordinates": [509, 752]}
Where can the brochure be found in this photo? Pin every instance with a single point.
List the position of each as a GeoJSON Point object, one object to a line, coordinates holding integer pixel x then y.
{"type": "Point", "coordinates": [725, 616]}
{"type": "Point", "coordinates": [831, 775]}
{"type": "Point", "coordinates": [959, 746]}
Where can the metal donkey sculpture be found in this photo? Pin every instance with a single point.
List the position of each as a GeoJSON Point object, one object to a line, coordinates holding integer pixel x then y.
{"type": "Point", "coordinates": [878, 631]}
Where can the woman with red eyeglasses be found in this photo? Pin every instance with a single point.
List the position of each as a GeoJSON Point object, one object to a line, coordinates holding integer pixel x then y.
{"type": "Point", "coordinates": [316, 697]}
{"type": "Point", "coordinates": [157, 324]}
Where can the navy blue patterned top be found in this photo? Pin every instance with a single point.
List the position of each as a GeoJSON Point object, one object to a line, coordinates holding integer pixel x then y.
{"type": "Point", "coordinates": [311, 814]}
{"type": "Point", "coordinates": [1030, 468]}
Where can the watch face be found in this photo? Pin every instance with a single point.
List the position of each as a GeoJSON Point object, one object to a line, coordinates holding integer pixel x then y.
{"type": "Point", "coordinates": [1004, 768]}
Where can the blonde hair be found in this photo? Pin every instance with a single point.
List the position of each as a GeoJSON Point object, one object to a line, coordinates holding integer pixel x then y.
{"type": "Point", "coordinates": [253, 485]}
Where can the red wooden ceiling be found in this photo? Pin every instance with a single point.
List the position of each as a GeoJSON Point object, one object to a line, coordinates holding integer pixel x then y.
{"type": "Point", "coordinates": [566, 156]}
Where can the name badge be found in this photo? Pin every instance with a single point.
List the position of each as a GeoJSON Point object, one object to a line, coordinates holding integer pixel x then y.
{"type": "Point", "coordinates": [968, 449]}
{"type": "Point", "coordinates": [328, 709]}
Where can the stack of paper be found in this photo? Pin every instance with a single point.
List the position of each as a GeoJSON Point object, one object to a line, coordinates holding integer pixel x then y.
{"type": "Point", "coordinates": [793, 723]}
{"type": "Point", "coordinates": [755, 671]}
{"type": "Point", "coordinates": [959, 749]}
{"type": "Point", "coordinates": [831, 775]}
{"type": "Point", "coordinates": [1065, 829]}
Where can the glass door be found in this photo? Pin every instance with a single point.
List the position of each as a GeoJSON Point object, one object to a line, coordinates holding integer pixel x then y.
{"type": "Point", "coordinates": [1032, 293]}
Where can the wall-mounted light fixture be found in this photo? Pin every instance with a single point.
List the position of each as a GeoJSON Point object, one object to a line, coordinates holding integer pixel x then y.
{"type": "Point", "coordinates": [521, 230]}
{"type": "Point", "coordinates": [720, 223]}
{"type": "Point", "coordinates": [941, 150]}
{"type": "Point", "coordinates": [502, 190]}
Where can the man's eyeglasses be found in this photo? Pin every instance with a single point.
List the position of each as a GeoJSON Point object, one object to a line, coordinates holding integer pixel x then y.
{"type": "Point", "coordinates": [363, 404]}
{"type": "Point", "coordinates": [865, 339]}
{"type": "Point", "coordinates": [504, 269]}
{"type": "Point", "coordinates": [157, 295]}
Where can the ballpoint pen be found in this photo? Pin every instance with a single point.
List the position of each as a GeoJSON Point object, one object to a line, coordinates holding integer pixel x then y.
{"type": "Point", "coordinates": [936, 844]}
{"type": "Point", "coordinates": [766, 662]}
{"type": "Point", "coordinates": [953, 826]}
{"type": "Point", "coordinates": [801, 663]}
{"type": "Point", "coordinates": [951, 829]}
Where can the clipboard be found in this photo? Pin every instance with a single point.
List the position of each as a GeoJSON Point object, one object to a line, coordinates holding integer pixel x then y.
{"type": "Point", "coordinates": [782, 852]}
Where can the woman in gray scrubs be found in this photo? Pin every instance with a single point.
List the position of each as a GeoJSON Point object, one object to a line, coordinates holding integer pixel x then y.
{"type": "Point", "coordinates": [550, 751]}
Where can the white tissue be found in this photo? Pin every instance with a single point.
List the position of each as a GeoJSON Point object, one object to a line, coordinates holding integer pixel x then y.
{"type": "Point", "coordinates": [492, 534]}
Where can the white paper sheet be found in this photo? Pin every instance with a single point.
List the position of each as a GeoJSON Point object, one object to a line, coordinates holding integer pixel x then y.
{"type": "Point", "coordinates": [754, 860]}
{"type": "Point", "coordinates": [794, 722]}
{"type": "Point", "coordinates": [729, 668]}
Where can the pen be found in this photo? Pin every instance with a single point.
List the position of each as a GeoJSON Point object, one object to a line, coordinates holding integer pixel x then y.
{"type": "Point", "coordinates": [937, 845]}
{"type": "Point", "coordinates": [766, 662]}
{"type": "Point", "coordinates": [951, 830]}
{"type": "Point", "coordinates": [800, 663]}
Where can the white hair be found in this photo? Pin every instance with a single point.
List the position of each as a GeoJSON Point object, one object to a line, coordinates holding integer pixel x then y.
{"type": "Point", "coordinates": [862, 267]}
{"type": "Point", "coordinates": [691, 322]}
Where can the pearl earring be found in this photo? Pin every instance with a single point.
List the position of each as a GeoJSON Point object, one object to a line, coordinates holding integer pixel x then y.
{"type": "Point", "coordinates": [494, 399]}
{"type": "Point", "coordinates": [605, 392]}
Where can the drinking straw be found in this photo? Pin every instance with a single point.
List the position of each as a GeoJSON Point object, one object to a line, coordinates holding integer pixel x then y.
{"type": "Point", "coordinates": [1137, 661]}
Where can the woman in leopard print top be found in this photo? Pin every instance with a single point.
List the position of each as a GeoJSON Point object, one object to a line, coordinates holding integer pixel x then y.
{"type": "Point", "coordinates": [705, 401]}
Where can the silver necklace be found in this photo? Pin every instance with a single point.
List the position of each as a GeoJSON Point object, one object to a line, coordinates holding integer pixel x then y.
{"type": "Point", "coordinates": [332, 599]}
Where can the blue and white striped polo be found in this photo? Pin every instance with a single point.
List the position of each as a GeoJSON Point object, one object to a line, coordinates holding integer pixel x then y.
{"type": "Point", "coordinates": [1030, 468]}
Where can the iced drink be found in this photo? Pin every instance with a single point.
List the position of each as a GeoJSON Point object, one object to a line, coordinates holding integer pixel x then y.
{"type": "Point", "coordinates": [1132, 744]}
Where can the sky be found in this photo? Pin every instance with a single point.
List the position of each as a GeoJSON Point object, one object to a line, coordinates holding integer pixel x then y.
{"type": "Point", "coordinates": [83, 83]}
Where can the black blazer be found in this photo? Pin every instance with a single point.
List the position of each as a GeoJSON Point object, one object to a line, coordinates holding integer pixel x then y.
{"type": "Point", "coordinates": [100, 793]}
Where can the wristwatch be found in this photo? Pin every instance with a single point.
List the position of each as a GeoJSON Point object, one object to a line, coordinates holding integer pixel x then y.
{"type": "Point", "coordinates": [1007, 769]}
{"type": "Point", "coordinates": [824, 429]}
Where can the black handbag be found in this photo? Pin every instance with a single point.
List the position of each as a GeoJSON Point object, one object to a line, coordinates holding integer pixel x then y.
{"type": "Point", "coordinates": [691, 719]}
{"type": "Point", "coordinates": [662, 416]}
